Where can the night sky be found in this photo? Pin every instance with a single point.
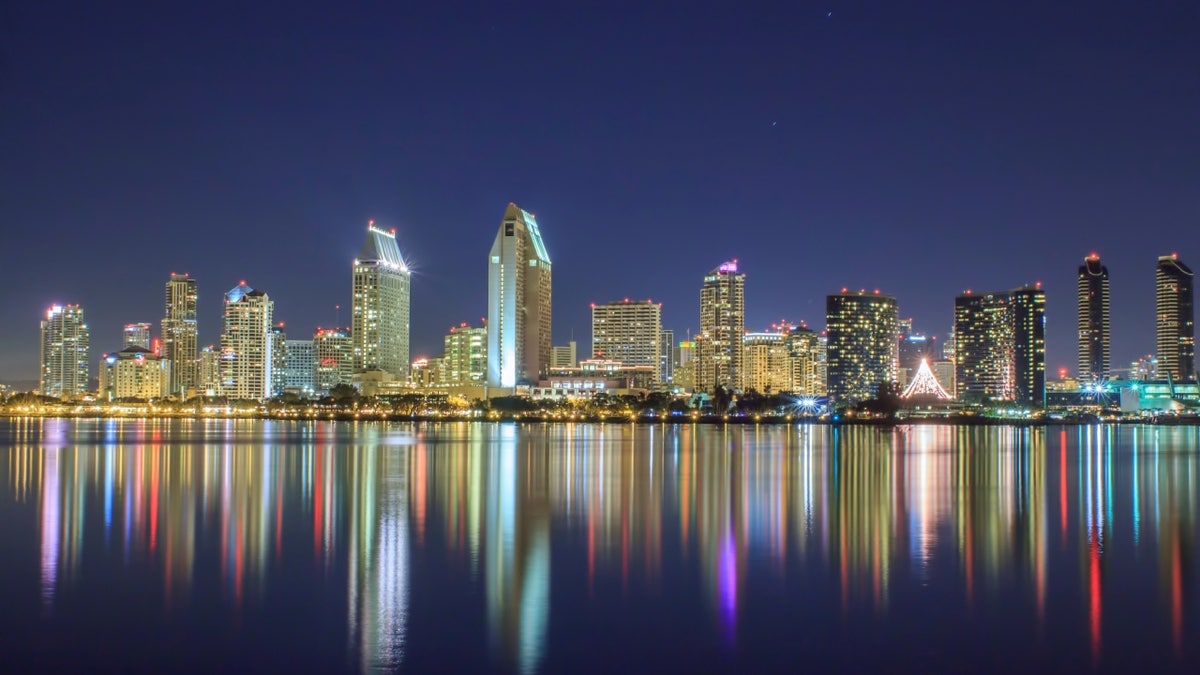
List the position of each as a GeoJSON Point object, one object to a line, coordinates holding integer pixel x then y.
{"type": "Point", "coordinates": [921, 148]}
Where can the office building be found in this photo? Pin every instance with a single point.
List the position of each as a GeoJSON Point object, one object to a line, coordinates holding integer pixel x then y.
{"type": "Point", "coordinates": [464, 358]}
{"type": "Point", "coordinates": [564, 356]}
{"type": "Point", "coordinates": [300, 367]}
{"type": "Point", "coordinates": [722, 324]}
{"type": "Point", "coordinates": [807, 352]}
{"type": "Point", "coordinates": [983, 351]}
{"type": "Point", "coordinates": [380, 308]}
{"type": "Point", "coordinates": [519, 299]}
{"type": "Point", "coordinates": [179, 332]}
{"type": "Point", "coordinates": [137, 335]}
{"type": "Point", "coordinates": [1093, 319]}
{"type": "Point", "coordinates": [628, 331]}
{"type": "Point", "coordinates": [334, 358]}
{"type": "Point", "coordinates": [666, 356]}
{"type": "Point", "coordinates": [65, 350]}
{"type": "Point", "coordinates": [862, 350]}
{"type": "Point", "coordinates": [209, 371]}
{"type": "Point", "coordinates": [278, 359]}
{"type": "Point", "coordinates": [1176, 317]}
{"type": "Point", "coordinates": [1028, 307]}
{"type": "Point", "coordinates": [766, 363]}
{"type": "Point", "coordinates": [246, 343]}
{"type": "Point", "coordinates": [134, 372]}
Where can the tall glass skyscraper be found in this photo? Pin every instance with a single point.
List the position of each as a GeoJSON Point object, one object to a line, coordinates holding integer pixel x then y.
{"type": "Point", "coordinates": [719, 346]}
{"type": "Point", "coordinates": [1176, 319]}
{"type": "Point", "coordinates": [1093, 319]}
{"type": "Point", "coordinates": [380, 323]}
{"type": "Point", "coordinates": [862, 350]}
{"type": "Point", "coordinates": [179, 334]}
{"type": "Point", "coordinates": [65, 352]}
{"type": "Point", "coordinates": [518, 321]}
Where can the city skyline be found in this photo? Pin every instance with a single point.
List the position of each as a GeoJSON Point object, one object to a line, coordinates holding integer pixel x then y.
{"type": "Point", "coordinates": [834, 155]}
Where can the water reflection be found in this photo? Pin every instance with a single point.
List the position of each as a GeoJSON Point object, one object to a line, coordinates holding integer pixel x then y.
{"type": "Point", "coordinates": [1040, 522]}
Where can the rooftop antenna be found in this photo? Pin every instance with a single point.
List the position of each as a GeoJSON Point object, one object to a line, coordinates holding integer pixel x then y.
{"type": "Point", "coordinates": [337, 323]}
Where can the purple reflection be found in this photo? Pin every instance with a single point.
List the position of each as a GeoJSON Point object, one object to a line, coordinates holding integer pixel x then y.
{"type": "Point", "coordinates": [727, 581]}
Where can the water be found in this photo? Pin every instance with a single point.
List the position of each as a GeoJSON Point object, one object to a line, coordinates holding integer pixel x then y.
{"type": "Point", "coordinates": [204, 546]}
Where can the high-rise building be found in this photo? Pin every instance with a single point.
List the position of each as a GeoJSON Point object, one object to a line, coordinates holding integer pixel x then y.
{"type": "Point", "coordinates": [983, 351]}
{"type": "Point", "coordinates": [137, 335]}
{"type": "Point", "coordinates": [807, 350]}
{"type": "Point", "coordinates": [564, 356]}
{"type": "Point", "coordinates": [65, 352]}
{"type": "Point", "coordinates": [862, 351]}
{"type": "Point", "coordinates": [628, 331]}
{"type": "Point", "coordinates": [519, 294]}
{"type": "Point", "coordinates": [134, 372]}
{"type": "Point", "coordinates": [278, 360]}
{"type": "Point", "coordinates": [300, 365]}
{"type": "Point", "coordinates": [1176, 335]}
{"type": "Point", "coordinates": [766, 363]}
{"type": "Point", "coordinates": [1028, 306]}
{"type": "Point", "coordinates": [464, 361]}
{"type": "Point", "coordinates": [722, 324]}
{"type": "Point", "coordinates": [179, 332]}
{"type": "Point", "coordinates": [246, 344]}
{"type": "Point", "coordinates": [666, 356]}
{"type": "Point", "coordinates": [209, 371]}
{"type": "Point", "coordinates": [380, 311]}
{"type": "Point", "coordinates": [334, 358]}
{"type": "Point", "coordinates": [1093, 319]}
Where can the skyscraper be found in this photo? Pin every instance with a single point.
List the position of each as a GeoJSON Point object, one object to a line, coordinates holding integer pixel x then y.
{"type": "Point", "coordinates": [983, 350]}
{"type": "Point", "coordinates": [465, 358]}
{"type": "Point", "coordinates": [333, 358]}
{"type": "Point", "coordinates": [1092, 312]}
{"type": "Point", "coordinates": [766, 363]}
{"type": "Point", "coordinates": [278, 360]}
{"type": "Point", "coordinates": [380, 323]}
{"type": "Point", "coordinates": [807, 350]}
{"type": "Point", "coordinates": [518, 321]}
{"type": "Point", "coordinates": [300, 362]}
{"type": "Point", "coordinates": [861, 350]}
{"type": "Point", "coordinates": [722, 324]}
{"type": "Point", "coordinates": [137, 335]}
{"type": "Point", "coordinates": [1028, 307]}
{"type": "Point", "coordinates": [65, 352]}
{"type": "Point", "coordinates": [179, 336]}
{"type": "Point", "coordinates": [666, 356]}
{"type": "Point", "coordinates": [1176, 335]}
{"type": "Point", "coordinates": [246, 343]}
{"type": "Point", "coordinates": [629, 332]}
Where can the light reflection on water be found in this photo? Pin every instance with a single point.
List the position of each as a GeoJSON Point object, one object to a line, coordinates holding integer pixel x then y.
{"type": "Point", "coordinates": [468, 546]}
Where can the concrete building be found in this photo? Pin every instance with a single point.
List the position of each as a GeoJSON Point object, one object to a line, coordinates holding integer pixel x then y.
{"type": "Point", "coordinates": [1176, 319]}
{"type": "Point", "coordinates": [179, 332]}
{"type": "Point", "coordinates": [333, 357]}
{"type": "Point", "coordinates": [380, 306]}
{"type": "Point", "coordinates": [722, 323]}
{"type": "Point", "coordinates": [1092, 318]}
{"type": "Point", "coordinates": [806, 350]}
{"type": "Point", "coordinates": [862, 351]}
{"type": "Point", "coordinates": [278, 359]}
{"type": "Point", "coordinates": [300, 367]}
{"type": "Point", "coordinates": [134, 372]}
{"type": "Point", "coordinates": [246, 343]}
{"type": "Point", "coordinates": [519, 302]}
{"type": "Point", "coordinates": [628, 331]}
{"type": "Point", "coordinates": [65, 352]}
{"type": "Point", "coordinates": [464, 359]}
{"type": "Point", "coordinates": [564, 356]}
{"type": "Point", "coordinates": [1000, 345]}
{"type": "Point", "coordinates": [766, 363]}
{"type": "Point", "coordinates": [1028, 306]}
{"type": "Point", "coordinates": [209, 371]}
{"type": "Point", "coordinates": [136, 335]}
{"type": "Point", "coordinates": [667, 357]}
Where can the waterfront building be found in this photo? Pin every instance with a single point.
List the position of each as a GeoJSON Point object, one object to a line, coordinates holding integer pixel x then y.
{"type": "Point", "coordinates": [209, 371]}
{"type": "Point", "coordinates": [426, 372]}
{"type": "Point", "coordinates": [628, 331]}
{"type": "Point", "coordinates": [667, 357]}
{"type": "Point", "coordinates": [983, 334]}
{"type": "Point", "coordinates": [65, 352]}
{"type": "Point", "coordinates": [722, 324]}
{"type": "Point", "coordinates": [519, 301]}
{"type": "Point", "coordinates": [380, 305]}
{"type": "Point", "coordinates": [278, 360]}
{"type": "Point", "coordinates": [179, 332]}
{"type": "Point", "coordinates": [333, 356]}
{"type": "Point", "coordinates": [134, 372]}
{"type": "Point", "coordinates": [766, 363]}
{"type": "Point", "coordinates": [1176, 328]}
{"type": "Point", "coordinates": [137, 335]}
{"type": "Point", "coordinates": [246, 343]}
{"type": "Point", "coordinates": [807, 356]}
{"type": "Point", "coordinates": [1092, 309]}
{"type": "Point", "coordinates": [1028, 307]}
{"type": "Point", "coordinates": [464, 359]}
{"type": "Point", "coordinates": [564, 356]}
{"type": "Point", "coordinates": [862, 350]}
{"type": "Point", "coordinates": [300, 364]}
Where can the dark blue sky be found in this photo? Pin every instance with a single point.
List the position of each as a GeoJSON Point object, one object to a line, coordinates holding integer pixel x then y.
{"type": "Point", "coordinates": [921, 148]}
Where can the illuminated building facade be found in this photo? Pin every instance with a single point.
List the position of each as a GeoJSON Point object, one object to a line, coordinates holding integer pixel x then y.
{"type": "Point", "coordinates": [380, 309]}
{"type": "Point", "coordinates": [766, 363]}
{"type": "Point", "coordinates": [209, 371]}
{"type": "Point", "coordinates": [807, 355]}
{"type": "Point", "coordinates": [333, 356]}
{"type": "Point", "coordinates": [134, 372]}
{"type": "Point", "coordinates": [278, 360]}
{"type": "Point", "coordinates": [1176, 317]}
{"type": "Point", "coordinates": [179, 332]}
{"type": "Point", "coordinates": [464, 361]}
{"type": "Point", "coordinates": [564, 356]}
{"type": "Point", "coordinates": [246, 343]}
{"type": "Point", "coordinates": [1028, 307]}
{"type": "Point", "coordinates": [136, 335]}
{"type": "Point", "coordinates": [983, 350]}
{"type": "Point", "coordinates": [666, 356]}
{"type": "Point", "coordinates": [629, 332]}
{"type": "Point", "coordinates": [722, 324]}
{"type": "Point", "coordinates": [65, 352]}
{"type": "Point", "coordinates": [1093, 319]}
{"type": "Point", "coordinates": [519, 296]}
{"type": "Point", "coordinates": [862, 351]}
{"type": "Point", "coordinates": [300, 365]}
